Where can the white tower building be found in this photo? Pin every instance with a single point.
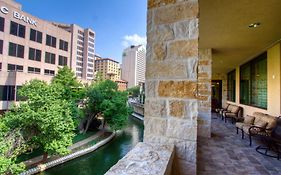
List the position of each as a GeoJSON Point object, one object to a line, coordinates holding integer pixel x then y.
{"type": "Point", "coordinates": [133, 65]}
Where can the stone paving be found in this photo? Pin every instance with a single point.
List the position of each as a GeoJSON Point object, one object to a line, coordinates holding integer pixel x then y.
{"type": "Point", "coordinates": [226, 153]}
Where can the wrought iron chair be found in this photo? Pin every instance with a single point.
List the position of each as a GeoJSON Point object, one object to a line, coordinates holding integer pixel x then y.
{"type": "Point", "coordinates": [272, 146]}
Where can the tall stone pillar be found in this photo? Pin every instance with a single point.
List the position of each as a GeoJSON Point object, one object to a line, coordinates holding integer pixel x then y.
{"type": "Point", "coordinates": [204, 92]}
{"type": "Point", "coordinates": [171, 106]}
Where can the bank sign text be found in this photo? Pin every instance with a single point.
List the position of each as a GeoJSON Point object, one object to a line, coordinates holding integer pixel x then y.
{"type": "Point", "coordinates": [19, 16]}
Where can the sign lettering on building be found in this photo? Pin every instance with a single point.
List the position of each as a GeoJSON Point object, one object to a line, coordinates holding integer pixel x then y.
{"type": "Point", "coordinates": [19, 16]}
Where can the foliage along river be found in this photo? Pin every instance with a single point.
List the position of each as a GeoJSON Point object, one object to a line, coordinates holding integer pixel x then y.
{"type": "Point", "coordinates": [99, 161]}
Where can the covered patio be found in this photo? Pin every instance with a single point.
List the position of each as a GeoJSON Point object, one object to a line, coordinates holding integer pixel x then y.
{"type": "Point", "coordinates": [226, 153]}
{"type": "Point", "coordinates": [240, 40]}
{"type": "Point", "coordinates": [191, 44]}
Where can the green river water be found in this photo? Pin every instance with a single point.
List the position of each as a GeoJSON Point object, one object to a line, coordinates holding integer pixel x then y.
{"type": "Point", "coordinates": [98, 162]}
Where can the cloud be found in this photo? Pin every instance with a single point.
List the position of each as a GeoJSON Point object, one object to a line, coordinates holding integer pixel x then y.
{"type": "Point", "coordinates": [134, 39]}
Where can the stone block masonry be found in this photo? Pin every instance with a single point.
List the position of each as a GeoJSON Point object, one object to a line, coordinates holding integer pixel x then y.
{"type": "Point", "coordinates": [204, 92]}
{"type": "Point", "coordinates": [172, 79]}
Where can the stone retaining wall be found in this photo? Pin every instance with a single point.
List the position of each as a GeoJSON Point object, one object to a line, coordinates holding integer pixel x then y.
{"type": "Point", "coordinates": [138, 108]}
{"type": "Point", "coordinates": [69, 157]}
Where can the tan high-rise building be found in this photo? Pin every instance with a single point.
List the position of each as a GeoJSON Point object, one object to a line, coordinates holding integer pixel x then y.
{"type": "Point", "coordinates": [82, 50]}
{"type": "Point", "coordinates": [33, 48]}
{"type": "Point", "coordinates": [108, 68]}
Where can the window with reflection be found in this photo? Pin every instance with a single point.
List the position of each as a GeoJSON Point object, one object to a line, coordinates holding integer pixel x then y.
{"type": "Point", "coordinates": [253, 82]}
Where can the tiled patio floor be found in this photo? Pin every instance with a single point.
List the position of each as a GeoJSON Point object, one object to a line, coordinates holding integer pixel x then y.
{"type": "Point", "coordinates": [226, 153]}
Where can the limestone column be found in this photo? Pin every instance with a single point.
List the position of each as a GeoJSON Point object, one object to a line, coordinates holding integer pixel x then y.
{"type": "Point", "coordinates": [204, 92]}
{"type": "Point", "coordinates": [171, 106]}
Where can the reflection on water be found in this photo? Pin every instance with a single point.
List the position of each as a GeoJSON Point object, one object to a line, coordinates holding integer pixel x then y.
{"type": "Point", "coordinates": [98, 162]}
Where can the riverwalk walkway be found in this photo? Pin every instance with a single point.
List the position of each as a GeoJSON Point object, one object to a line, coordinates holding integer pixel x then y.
{"type": "Point", "coordinates": [73, 147]}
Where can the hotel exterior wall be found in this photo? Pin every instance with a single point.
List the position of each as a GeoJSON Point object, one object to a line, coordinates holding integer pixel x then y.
{"type": "Point", "coordinates": [171, 106]}
{"type": "Point", "coordinates": [273, 85]}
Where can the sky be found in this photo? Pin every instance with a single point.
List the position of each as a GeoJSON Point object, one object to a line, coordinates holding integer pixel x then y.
{"type": "Point", "coordinates": [117, 23]}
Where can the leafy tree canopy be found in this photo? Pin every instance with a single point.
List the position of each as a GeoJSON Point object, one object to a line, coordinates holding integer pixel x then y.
{"type": "Point", "coordinates": [104, 98]}
{"type": "Point", "coordinates": [134, 91]}
{"type": "Point", "coordinates": [44, 120]}
{"type": "Point", "coordinates": [72, 88]}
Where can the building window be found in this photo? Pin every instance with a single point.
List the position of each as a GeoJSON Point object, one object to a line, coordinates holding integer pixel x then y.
{"type": "Point", "coordinates": [253, 82]}
{"type": "Point", "coordinates": [35, 54]}
{"type": "Point", "coordinates": [2, 24]}
{"type": "Point", "coordinates": [63, 45]}
{"type": "Point", "coordinates": [51, 41]}
{"type": "Point", "coordinates": [15, 68]}
{"type": "Point", "coordinates": [16, 50]}
{"type": "Point", "coordinates": [79, 74]}
{"type": "Point", "coordinates": [90, 75]}
{"type": "Point", "coordinates": [91, 45]}
{"type": "Point", "coordinates": [62, 60]}
{"type": "Point", "coordinates": [33, 70]}
{"type": "Point", "coordinates": [92, 34]}
{"type": "Point", "coordinates": [49, 72]}
{"type": "Point", "coordinates": [80, 43]}
{"type": "Point", "coordinates": [91, 40]}
{"type": "Point", "coordinates": [7, 93]}
{"type": "Point", "coordinates": [80, 48]}
{"type": "Point", "coordinates": [17, 29]}
{"type": "Point", "coordinates": [50, 58]}
{"type": "Point", "coordinates": [231, 84]}
{"type": "Point", "coordinates": [79, 69]}
{"type": "Point", "coordinates": [81, 38]}
{"type": "Point", "coordinates": [91, 50]}
{"type": "Point", "coordinates": [0, 66]}
{"type": "Point", "coordinates": [90, 70]}
{"type": "Point", "coordinates": [35, 36]}
{"type": "Point", "coordinates": [80, 32]}
{"type": "Point", "coordinates": [79, 53]}
{"type": "Point", "coordinates": [91, 55]}
{"type": "Point", "coordinates": [1, 46]}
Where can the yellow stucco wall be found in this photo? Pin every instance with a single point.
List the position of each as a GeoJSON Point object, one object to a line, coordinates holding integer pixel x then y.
{"type": "Point", "coordinates": [273, 84]}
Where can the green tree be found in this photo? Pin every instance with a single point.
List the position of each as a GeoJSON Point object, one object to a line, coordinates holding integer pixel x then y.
{"type": "Point", "coordinates": [43, 121]}
{"type": "Point", "coordinates": [46, 116]}
{"type": "Point", "coordinates": [134, 91]}
{"type": "Point", "coordinates": [99, 77]}
{"type": "Point", "coordinates": [104, 98]}
{"type": "Point", "coordinates": [72, 90]}
{"type": "Point", "coordinates": [11, 145]}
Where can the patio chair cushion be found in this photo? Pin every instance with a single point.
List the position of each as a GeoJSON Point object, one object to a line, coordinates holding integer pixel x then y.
{"type": "Point", "coordinates": [241, 124]}
{"type": "Point", "coordinates": [271, 120]}
{"type": "Point", "coordinates": [249, 119]}
{"type": "Point", "coordinates": [261, 124]}
{"type": "Point", "coordinates": [254, 131]}
{"type": "Point", "coordinates": [246, 128]}
{"type": "Point", "coordinates": [234, 109]}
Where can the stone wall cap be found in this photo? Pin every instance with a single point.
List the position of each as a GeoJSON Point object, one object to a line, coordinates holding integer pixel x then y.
{"type": "Point", "coordinates": [144, 159]}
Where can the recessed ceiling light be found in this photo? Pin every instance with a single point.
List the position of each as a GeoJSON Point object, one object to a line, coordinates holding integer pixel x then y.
{"type": "Point", "coordinates": [254, 25]}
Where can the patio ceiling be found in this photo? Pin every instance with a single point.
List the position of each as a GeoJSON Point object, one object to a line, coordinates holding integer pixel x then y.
{"type": "Point", "coordinates": [223, 26]}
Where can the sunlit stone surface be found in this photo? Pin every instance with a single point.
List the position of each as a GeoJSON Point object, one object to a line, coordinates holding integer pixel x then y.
{"type": "Point", "coordinates": [145, 159]}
